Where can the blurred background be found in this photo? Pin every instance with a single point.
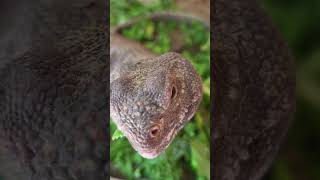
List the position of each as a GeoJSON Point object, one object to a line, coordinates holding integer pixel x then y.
{"type": "Point", "coordinates": [299, 23]}
{"type": "Point", "coordinates": [188, 156]}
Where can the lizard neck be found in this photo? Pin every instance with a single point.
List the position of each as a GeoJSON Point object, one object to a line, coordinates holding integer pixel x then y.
{"type": "Point", "coordinates": [124, 53]}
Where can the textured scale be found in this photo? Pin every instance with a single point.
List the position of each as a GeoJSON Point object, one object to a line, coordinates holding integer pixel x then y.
{"type": "Point", "coordinates": [254, 90]}
{"type": "Point", "coordinates": [53, 93]}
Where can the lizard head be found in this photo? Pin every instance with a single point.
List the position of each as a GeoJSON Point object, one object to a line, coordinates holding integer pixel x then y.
{"type": "Point", "coordinates": [152, 102]}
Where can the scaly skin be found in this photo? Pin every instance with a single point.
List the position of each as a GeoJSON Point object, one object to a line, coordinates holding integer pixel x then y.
{"type": "Point", "coordinates": [53, 92]}
{"type": "Point", "coordinates": [151, 97]}
{"type": "Point", "coordinates": [254, 90]}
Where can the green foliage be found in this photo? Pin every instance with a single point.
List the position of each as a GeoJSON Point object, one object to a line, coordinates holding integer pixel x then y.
{"type": "Point", "coordinates": [117, 135]}
{"type": "Point", "coordinates": [190, 151]}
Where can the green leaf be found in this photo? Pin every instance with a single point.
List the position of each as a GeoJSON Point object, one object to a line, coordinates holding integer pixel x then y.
{"type": "Point", "coordinates": [201, 158]}
{"type": "Point", "coordinates": [149, 30]}
{"type": "Point", "coordinates": [117, 135]}
{"type": "Point", "coordinates": [206, 87]}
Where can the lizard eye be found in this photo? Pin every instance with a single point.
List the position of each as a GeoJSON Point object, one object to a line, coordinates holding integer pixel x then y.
{"type": "Point", "coordinates": [173, 92]}
{"type": "Point", "coordinates": [154, 131]}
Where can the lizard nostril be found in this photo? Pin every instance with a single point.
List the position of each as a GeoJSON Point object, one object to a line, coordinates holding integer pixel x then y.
{"type": "Point", "coordinates": [154, 131]}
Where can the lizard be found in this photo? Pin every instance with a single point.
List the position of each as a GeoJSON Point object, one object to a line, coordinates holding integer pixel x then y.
{"type": "Point", "coordinates": [53, 90]}
{"type": "Point", "coordinates": [152, 96]}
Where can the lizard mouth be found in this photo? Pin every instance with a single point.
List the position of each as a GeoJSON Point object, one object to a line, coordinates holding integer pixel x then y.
{"type": "Point", "coordinates": [149, 154]}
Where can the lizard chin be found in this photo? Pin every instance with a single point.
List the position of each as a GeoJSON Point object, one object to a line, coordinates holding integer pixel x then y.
{"type": "Point", "coordinates": [149, 154]}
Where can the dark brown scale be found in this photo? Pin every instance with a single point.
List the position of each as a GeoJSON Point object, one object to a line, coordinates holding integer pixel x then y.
{"type": "Point", "coordinates": [53, 91]}
{"type": "Point", "coordinates": [254, 90]}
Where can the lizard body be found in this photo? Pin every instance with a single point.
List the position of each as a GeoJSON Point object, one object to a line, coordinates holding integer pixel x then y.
{"type": "Point", "coordinates": [53, 91]}
{"type": "Point", "coordinates": [254, 90]}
